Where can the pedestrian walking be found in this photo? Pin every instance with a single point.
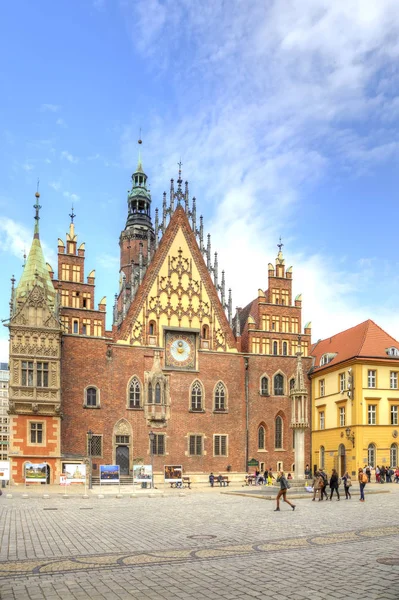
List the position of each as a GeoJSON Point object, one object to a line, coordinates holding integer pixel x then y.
{"type": "Point", "coordinates": [377, 474]}
{"type": "Point", "coordinates": [347, 484]}
{"type": "Point", "coordinates": [317, 485]}
{"type": "Point", "coordinates": [334, 483]}
{"type": "Point", "coordinates": [284, 486]}
{"type": "Point", "coordinates": [363, 479]}
{"type": "Point", "coordinates": [323, 485]}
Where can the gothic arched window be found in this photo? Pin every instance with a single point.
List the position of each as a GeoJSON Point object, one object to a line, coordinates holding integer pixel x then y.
{"type": "Point", "coordinates": [261, 438]}
{"type": "Point", "coordinates": [285, 348]}
{"type": "Point", "coordinates": [149, 393]}
{"type": "Point", "coordinates": [158, 393]}
{"type": "Point", "coordinates": [275, 348]}
{"type": "Point", "coordinates": [264, 386]}
{"type": "Point", "coordinates": [134, 393]}
{"type": "Point", "coordinates": [278, 385]}
{"type": "Point", "coordinates": [278, 433]}
{"type": "Point", "coordinates": [393, 456]}
{"type": "Point", "coordinates": [220, 397]}
{"type": "Point", "coordinates": [292, 384]}
{"type": "Point", "coordinates": [371, 455]}
{"type": "Point", "coordinates": [196, 396]}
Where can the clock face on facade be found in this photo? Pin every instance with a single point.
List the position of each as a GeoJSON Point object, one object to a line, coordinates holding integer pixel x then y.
{"type": "Point", "coordinates": [180, 350]}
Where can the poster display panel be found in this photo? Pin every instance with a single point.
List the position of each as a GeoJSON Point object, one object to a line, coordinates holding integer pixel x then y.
{"type": "Point", "coordinates": [75, 473]}
{"type": "Point", "coordinates": [109, 474]}
{"type": "Point", "coordinates": [142, 473]}
{"type": "Point", "coordinates": [173, 473]}
{"type": "Point", "coordinates": [36, 473]}
{"type": "Point", "coordinates": [4, 470]}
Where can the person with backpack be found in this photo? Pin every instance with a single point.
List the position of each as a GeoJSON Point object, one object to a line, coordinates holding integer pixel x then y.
{"type": "Point", "coordinates": [334, 483]}
{"type": "Point", "coordinates": [347, 484]}
{"type": "Point", "coordinates": [284, 487]}
{"type": "Point", "coordinates": [363, 479]}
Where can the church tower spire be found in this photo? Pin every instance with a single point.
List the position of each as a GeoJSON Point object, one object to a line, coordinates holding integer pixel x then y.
{"type": "Point", "coordinates": [137, 240]}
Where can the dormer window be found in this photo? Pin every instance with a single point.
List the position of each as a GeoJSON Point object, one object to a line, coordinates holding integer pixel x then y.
{"type": "Point", "coordinates": [327, 358]}
{"type": "Point", "coordinates": [392, 351]}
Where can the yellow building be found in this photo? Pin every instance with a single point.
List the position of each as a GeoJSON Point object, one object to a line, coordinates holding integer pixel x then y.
{"type": "Point", "coordinates": [355, 400]}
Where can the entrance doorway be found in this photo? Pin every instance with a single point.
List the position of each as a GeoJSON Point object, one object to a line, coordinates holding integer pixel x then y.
{"type": "Point", "coordinates": [122, 459]}
{"type": "Point", "coordinates": [341, 460]}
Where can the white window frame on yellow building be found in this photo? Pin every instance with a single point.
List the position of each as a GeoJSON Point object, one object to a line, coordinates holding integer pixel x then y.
{"type": "Point", "coordinates": [321, 410]}
{"type": "Point", "coordinates": [342, 382]}
{"type": "Point", "coordinates": [369, 379]}
{"type": "Point", "coordinates": [393, 378]}
{"type": "Point", "coordinates": [369, 404]}
{"type": "Point", "coordinates": [322, 388]}
{"type": "Point", "coordinates": [393, 402]}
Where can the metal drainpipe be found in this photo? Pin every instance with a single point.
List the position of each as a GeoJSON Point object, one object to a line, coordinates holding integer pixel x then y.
{"type": "Point", "coordinates": [246, 362]}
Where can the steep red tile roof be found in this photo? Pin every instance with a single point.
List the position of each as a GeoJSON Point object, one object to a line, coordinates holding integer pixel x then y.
{"type": "Point", "coordinates": [364, 340]}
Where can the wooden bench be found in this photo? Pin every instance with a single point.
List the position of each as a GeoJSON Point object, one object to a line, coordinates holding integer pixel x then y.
{"type": "Point", "coordinates": [225, 481]}
{"type": "Point", "coordinates": [186, 482]}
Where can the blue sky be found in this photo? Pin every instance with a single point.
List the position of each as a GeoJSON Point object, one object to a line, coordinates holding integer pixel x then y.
{"type": "Point", "coordinates": [285, 116]}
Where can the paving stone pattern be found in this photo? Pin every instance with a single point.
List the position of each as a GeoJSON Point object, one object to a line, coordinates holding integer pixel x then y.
{"type": "Point", "coordinates": [198, 546]}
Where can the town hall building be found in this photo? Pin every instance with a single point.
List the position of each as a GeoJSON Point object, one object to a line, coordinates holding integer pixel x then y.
{"type": "Point", "coordinates": [179, 378]}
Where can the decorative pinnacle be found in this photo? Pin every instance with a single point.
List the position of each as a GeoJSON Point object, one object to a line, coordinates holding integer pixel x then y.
{"type": "Point", "coordinates": [280, 245]}
{"type": "Point", "coordinates": [72, 215]}
{"type": "Point", "coordinates": [179, 181]}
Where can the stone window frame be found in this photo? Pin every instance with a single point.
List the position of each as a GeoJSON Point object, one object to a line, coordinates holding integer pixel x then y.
{"type": "Point", "coordinates": [98, 397]}
{"type": "Point", "coordinates": [279, 372]}
{"type": "Point", "coordinates": [261, 426]}
{"type": "Point", "coordinates": [196, 436]}
{"type": "Point", "coordinates": [261, 378]}
{"type": "Point", "coordinates": [190, 405]}
{"type": "Point", "coordinates": [97, 436]}
{"type": "Point", "coordinates": [281, 420]}
{"type": "Point", "coordinates": [221, 435]}
{"type": "Point", "coordinates": [129, 383]}
{"type": "Point", "coordinates": [29, 424]}
{"type": "Point", "coordinates": [226, 396]}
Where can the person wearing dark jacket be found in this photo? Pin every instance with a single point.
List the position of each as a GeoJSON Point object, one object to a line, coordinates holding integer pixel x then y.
{"type": "Point", "coordinates": [283, 491]}
{"type": "Point", "coordinates": [334, 484]}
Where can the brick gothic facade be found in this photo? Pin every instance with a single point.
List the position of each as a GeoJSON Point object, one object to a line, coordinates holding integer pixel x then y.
{"type": "Point", "coordinates": [215, 390]}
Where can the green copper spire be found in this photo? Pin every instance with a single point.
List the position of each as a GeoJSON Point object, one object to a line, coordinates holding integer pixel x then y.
{"type": "Point", "coordinates": [35, 270]}
{"type": "Point", "coordinates": [139, 198]}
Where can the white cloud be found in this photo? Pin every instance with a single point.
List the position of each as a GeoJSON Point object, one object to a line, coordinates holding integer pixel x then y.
{"type": "Point", "coordinates": [69, 157]}
{"type": "Point", "coordinates": [16, 239]}
{"type": "Point", "coordinates": [266, 101]}
{"type": "Point", "coordinates": [55, 185]}
{"type": "Point", "coordinates": [72, 197]}
{"type": "Point", "coordinates": [60, 123]}
{"type": "Point", "coordinates": [27, 167]}
{"type": "Point", "coordinates": [50, 107]}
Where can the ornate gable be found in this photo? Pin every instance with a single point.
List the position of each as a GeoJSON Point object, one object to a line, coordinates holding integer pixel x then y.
{"type": "Point", "coordinates": [177, 291]}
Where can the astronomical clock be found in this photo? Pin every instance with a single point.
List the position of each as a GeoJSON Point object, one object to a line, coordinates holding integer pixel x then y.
{"type": "Point", "coordinates": [180, 350]}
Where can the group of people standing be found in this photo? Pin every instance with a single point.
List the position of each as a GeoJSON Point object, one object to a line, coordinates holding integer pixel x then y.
{"type": "Point", "coordinates": [320, 482]}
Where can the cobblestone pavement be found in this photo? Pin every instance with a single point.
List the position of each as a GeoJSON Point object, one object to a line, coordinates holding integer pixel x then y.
{"type": "Point", "coordinates": [198, 546]}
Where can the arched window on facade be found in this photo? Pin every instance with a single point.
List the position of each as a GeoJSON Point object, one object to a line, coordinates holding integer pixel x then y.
{"type": "Point", "coordinates": [158, 393]}
{"type": "Point", "coordinates": [278, 433]}
{"type": "Point", "coordinates": [220, 397]}
{"type": "Point", "coordinates": [205, 332]}
{"type": "Point", "coordinates": [152, 328]}
{"type": "Point", "coordinates": [393, 456]}
{"type": "Point", "coordinates": [196, 396]}
{"type": "Point", "coordinates": [91, 397]}
{"type": "Point", "coordinates": [261, 438]}
{"type": "Point", "coordinates": [278, 385]}
{"type": "Point", "coordinates": [275, 348]}
{"type": "Point", "coordinates": [285, 348]}
{"type": "Point", "coordinates": [134, 393]}
{"type": "Point", "coordinates": [264, 386]}
{"type": "Point", "coordinates": [322, 457]}
{"type": "Point", "coordinates": [150, 393]}
{"type": "Point", "coordinates": [371, 455]}
{"type": "Point", "coordinates": [292, 383]}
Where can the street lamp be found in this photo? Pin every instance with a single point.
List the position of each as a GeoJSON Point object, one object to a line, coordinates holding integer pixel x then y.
{"type": "Point", "coordinates": [152, 437]}
{"type": "Point", "coordinates": [89, 438]}
{"type": "Point", "coordinates": [350, 436]}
